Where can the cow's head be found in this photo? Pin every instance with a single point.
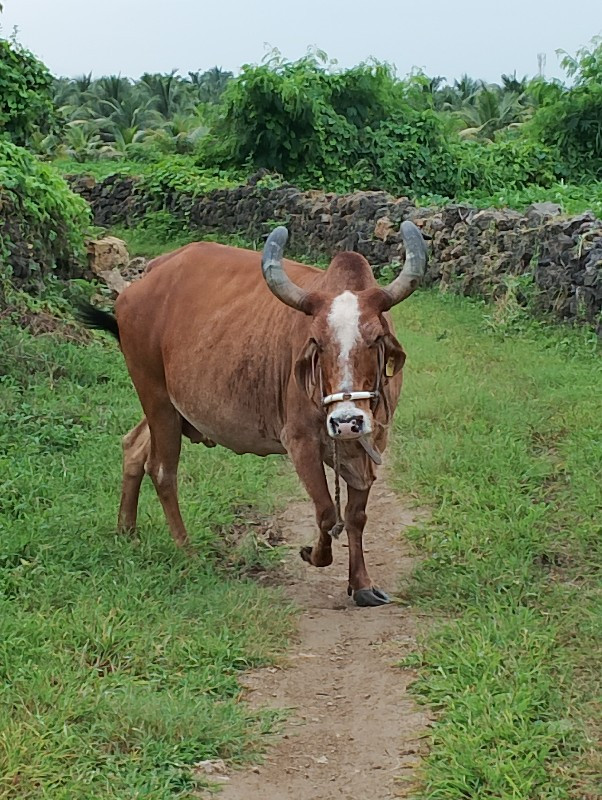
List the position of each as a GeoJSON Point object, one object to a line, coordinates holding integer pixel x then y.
{"type": "Point", "coordinates": [351, 350]}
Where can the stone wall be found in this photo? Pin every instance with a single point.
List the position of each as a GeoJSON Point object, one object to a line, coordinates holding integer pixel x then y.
{"type": "Point", "coordinates": [472, 251]}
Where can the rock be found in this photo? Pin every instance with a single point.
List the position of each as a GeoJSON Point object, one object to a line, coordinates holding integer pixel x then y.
{"type": "Point", "coordinates": [135, 268]}
{"type": "Point", "coordinates": [107, 254]}
{"type": "Point", "coordinates": [257, 176]}
{"type": "Point", "coordinates": [454, 214]}
{"type": "Point", "coordinates": [114, 280]}
{"type": "Point", "coordinates": [493, 217]}
{"type": "Point", "coordinates": [383, 228]}
{"type": "Point", "coordinates": [538, 212]}
{"type": "Point", "coordinates": [209, 767]}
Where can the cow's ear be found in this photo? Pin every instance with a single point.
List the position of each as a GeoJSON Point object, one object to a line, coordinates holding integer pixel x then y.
{"type": "Point", "coordinates": [306, 367]}
{"type": "Point", "coordinates": [394, 355]}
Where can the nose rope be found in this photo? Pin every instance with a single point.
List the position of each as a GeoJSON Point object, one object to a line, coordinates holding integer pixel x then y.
{"type": "Point", "coordinates": [337, 528]}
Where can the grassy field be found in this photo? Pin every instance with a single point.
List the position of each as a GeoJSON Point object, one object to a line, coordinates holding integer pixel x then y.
{"type": "Point", "coordinates": [499, 431]}
{"type": "Point", "coordinates": [501, 435]}
{"type": "Point", "coordinates": [118, 656]}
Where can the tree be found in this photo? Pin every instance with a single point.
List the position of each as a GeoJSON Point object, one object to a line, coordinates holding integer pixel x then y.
{"type": "Point", "coordinates": [572, 125]}
{"type": "Point", "coordinates": [126, 120]}
{"type": "Point", "coordinates": [586, 66]}
{"type": "Point", "coordinates": [490, 110]}
{"type": "Point", "coordinates": [167, 94]}
{"type": "Point", "coordinates": [510, 83]}
{"type": "Point", "coordinates": [210, 85]}
{"type": "Point", "coordinates": [25, 93]}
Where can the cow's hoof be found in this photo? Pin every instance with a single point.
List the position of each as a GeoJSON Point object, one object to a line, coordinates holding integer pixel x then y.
{"type": "Point", "coordinates": [370, 597]}
{"type": "Point", "coordinates": [308, 555]}
{"type": "Point", "coordinates": [305, 554]}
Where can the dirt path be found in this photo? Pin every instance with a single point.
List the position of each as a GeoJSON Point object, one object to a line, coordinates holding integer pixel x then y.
{"type": "Point", "coordinates": [354, 731]}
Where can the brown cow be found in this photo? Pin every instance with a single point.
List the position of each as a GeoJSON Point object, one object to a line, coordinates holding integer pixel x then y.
{"type": "Point", "coordinates": [301, 361]}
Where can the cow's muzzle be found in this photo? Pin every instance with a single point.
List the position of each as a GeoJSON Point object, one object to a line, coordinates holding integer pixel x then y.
{"type": "Point", "coordinates": [348, 423]}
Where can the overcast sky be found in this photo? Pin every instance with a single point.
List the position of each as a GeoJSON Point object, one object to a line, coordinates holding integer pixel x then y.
{"type": "Point", "coordinates": [444, 37]}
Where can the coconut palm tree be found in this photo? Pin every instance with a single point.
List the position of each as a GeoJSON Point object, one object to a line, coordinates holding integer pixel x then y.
{"type": "Point", "coordinates": [510, 83]}
{"type": "Point", "coordinates": [210, 84]}
{"type": "Point", "coordinates": [80, 141]}
{"type": "Point", "coordinates": [460, 94]}
{"type": "Point", "coordinates": [112, 88]}
{"type": "Point", "coordinates": [124, 120]}
{"type": "Point", "coordinates": [73, 96]}
{"type": "Point", "coordinates": [185, 131]}
{"type": "Point", "coordinates": [168, 94]}
{"type": "Point", "coordinates": [489, 110]}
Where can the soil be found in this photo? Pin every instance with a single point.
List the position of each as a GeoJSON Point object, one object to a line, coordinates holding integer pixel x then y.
{"type": "Point", "coordinates": [354, 731]}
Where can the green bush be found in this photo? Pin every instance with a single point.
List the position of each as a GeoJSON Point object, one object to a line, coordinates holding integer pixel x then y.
{"type": "Point", "coordinates": [179, 175]}
{"type": "Point", "coordinates": [510, 163]}
{"type": "Point", "coordinates": [345, 130]}
{"type": "Point", "coordinates": [410, 153]}
{"type": "Point", "coordinates": [572, 125]}
{"type": "Point", "coordinates": [43, 223]}
{"type": "Point", "coordinates": [573, 128]}
{"type": "Point", "coordinates": [26, 103]}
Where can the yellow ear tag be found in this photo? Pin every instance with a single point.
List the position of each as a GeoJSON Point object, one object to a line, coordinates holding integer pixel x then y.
{"type": "Point", "coordinates": [390, 367]}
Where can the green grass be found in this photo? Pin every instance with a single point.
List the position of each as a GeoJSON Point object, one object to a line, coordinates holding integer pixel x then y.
{"type": "Point", "coordinates": [180, 173]}
{"type": "Point", "coordinates": [99, 169]}
{"type": "Point", "coordinates": [501, 436]}
{"type": "Point", "coordinates": [571, 197]}
{"type": "Point", "coordinates": [160, 232]}
{"type": "Point", "coordinates": [118, 656]}
{"type": "Point", "coordinates": [499, 433]}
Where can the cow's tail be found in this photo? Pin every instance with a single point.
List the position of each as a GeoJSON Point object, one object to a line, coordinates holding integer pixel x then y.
{"type": "Point", "coordinates": [97, 319]}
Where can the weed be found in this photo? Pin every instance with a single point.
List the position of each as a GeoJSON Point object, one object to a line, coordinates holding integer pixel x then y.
{"type": "Point", "coordinates": [118, 655]}
{"type": "Point", "coordinates": [501, 435]}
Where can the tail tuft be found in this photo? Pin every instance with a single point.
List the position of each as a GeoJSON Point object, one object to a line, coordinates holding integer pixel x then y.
{"type": "Point", "coordinates": [97, 319]}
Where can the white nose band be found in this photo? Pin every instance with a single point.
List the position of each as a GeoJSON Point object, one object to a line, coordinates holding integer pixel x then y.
{"type": "Point", "coordinates": [339, 397]}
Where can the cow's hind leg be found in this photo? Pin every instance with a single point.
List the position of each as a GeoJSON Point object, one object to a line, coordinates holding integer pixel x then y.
{"type": "Point", "coordinates": [360, 585]}
{"type": "Point", "coordinates": [165, 425]}
{"type": "Point", "coordinates": [136, 451]}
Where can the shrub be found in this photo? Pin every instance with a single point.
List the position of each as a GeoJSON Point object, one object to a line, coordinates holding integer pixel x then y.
{"type": "Point", "coordinates": [573, 124]}
{"type": "Point", "coordinates": [26, 103]}
{"type": "Point", "coordinates": [573, 127]}
{"type": "Point", "coordinates": [410, 153]}
{"type": "Point", "coordinates": [345, 130]}
{"type": "Point", "coordinates": [178, 176]}
{"type": "Point", "coordinates": [510, 163]}
{"type": "Point", "coordinates": [43, 223]}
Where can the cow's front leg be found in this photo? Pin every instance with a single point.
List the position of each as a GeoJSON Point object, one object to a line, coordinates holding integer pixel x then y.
{"type": "Point", "coordinates": [360, 586]}
{"type": "Point", "coordinates": [307, 460]}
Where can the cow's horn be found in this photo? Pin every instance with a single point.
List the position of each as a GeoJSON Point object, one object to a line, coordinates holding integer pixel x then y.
{"type": "Point", "coordinates": [273, 271]}
{"type": "Point", "coordinates": [413, 268]}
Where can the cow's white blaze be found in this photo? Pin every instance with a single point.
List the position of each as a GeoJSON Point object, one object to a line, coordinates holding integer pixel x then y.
{"type": "Point", "coordinates": [344, 321]}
